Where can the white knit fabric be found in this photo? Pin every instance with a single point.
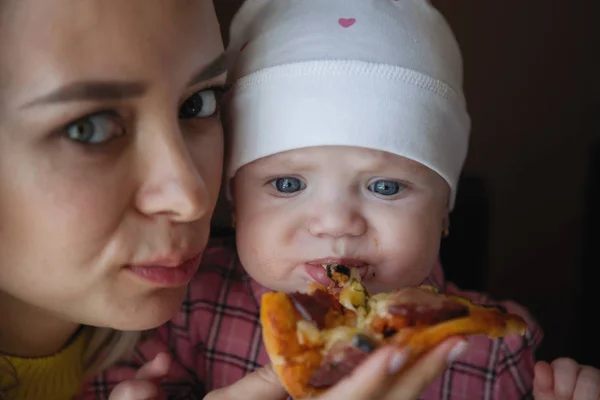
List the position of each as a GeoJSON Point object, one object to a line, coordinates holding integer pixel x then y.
{"type": "Point", "coordinates": [379, 74]}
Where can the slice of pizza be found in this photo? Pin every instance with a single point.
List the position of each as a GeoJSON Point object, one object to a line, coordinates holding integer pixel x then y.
{"type": "Point", "coordinates": [315, 339]}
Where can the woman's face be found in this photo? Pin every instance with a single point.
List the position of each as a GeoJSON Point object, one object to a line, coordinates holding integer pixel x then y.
{"type": "Point", "coordinates": [110, 155]}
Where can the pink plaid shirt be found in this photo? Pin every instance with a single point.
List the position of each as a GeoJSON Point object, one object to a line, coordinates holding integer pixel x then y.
{"type": "Point", "coordinates": [215, 340]}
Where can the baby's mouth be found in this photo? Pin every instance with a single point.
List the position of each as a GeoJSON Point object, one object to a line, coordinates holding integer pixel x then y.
{"type": "Point", "coordinates": [342, 273]}
{"type": "Point", "coordinates": [333, 272]}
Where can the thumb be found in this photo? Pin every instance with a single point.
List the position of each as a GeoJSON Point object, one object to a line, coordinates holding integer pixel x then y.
{"type": "Point", "coordinates": [155, 369]}
{"type": "Point", "coordinates": [261, 384]}
{"type": "Point", "coordinates": [417, 376]}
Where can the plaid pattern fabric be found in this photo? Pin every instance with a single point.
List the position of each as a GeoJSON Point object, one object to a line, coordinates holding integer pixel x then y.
{"type": "Point", "coordinates": [215, 340]}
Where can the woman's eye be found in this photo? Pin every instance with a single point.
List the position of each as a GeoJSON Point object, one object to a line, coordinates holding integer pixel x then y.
{"type": "Point", "coordinates": [288, 185]}
{"type": "Point", "coordinates": [201, 104]}
{"type": "Point", "coordinates": [385, 187]}
{"type": "Point", "coordinates": [95, 129]}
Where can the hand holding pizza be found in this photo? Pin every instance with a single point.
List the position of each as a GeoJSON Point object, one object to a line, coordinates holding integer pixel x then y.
{"type": "Point", "coordinates": [375, 378]}
{"type": "Point", "coordinates": [565, 379]}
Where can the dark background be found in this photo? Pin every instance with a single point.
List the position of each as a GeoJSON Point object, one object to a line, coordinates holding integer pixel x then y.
{"type": "Point", "coordinates": [526, 222]}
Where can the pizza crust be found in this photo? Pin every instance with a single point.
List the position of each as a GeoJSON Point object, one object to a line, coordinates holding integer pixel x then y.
{"type": "Point", "coordinates": [293, 362]}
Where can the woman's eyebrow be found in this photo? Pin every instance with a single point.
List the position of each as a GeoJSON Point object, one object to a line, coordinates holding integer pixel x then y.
{"type": "Point", "coordinates": [91, 90]}
{"type": "Point", "coordinates": [118, 90]}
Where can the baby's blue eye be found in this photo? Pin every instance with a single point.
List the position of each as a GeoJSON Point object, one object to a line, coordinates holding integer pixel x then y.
{"type": "Point", "coordinates": [288, 185]}
{"type": "Point", "coordinates": [385, 187]}
{"type": "Point", "coordinates": [95, 129]}
{"type": "Point", "coordinates": [201, 104]}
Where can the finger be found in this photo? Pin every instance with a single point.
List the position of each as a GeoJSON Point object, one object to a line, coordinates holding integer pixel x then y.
{"type": "Point", "coordinates": [157, 368]}
{"type": "Point", "coordinates": [370, 378]}
{"type": "Point", "coordinates": [565, 377]}
{"type": "Point", "coordinates": [543, 379]}
{"type": "Point", "coordinates": [261, 384]}
{"type": "Point", "coordinates": [412, 382]}
{"type": "Point", "coordinates": [134, 390]}
{"type": "Point", "coordinates": [588, 384]}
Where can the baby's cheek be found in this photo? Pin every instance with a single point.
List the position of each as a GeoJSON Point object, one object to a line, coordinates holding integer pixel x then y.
{"type": "Point", "coordinates": [261, 268]}
{"type": "Point", "coordinates": [255, 254]}
{"type": "Point", "coordinates": [398, 276]}
{"type": "Point", "coordinates": [406, 262]}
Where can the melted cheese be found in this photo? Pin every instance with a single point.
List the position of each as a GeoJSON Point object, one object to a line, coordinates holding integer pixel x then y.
{"type": "Point", "coordinates": [354, 296]}
{"type": "Point", "coordinates": [378, 303]}
{"type": "Point", "coordinates": [308, 333]}
{"type": "Point", "coordinates": [278, 359]}
{"type": "Point", "coordinates": [339, 334]}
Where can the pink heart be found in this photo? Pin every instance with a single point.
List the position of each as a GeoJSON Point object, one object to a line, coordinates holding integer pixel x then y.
{"type": "Point", "coordinates": [346, 22]}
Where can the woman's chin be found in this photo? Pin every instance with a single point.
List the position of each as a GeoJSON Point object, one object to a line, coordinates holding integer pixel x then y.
{"type": "Point", "coordinates": [148, 313]}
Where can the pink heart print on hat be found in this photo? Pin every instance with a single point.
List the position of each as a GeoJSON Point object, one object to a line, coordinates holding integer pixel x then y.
{"type": "Point", "coordinates": [346, 22]}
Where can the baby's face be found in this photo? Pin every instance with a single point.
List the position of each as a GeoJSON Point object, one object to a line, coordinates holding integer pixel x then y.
{"type": "Point", "coordinates": [300, 209]}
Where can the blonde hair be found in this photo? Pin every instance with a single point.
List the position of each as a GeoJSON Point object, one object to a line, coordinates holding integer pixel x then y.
{"type": "Point", "coordinates": [106, 347]}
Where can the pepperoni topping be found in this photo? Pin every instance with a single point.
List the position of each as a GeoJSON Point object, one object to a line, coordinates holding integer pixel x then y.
{"type": "Point", "coordinates": [313, 307]}
{"type": "Point", "coordinates": [337, 364]}
{"type": "Point", "coordinates": [419, 314]}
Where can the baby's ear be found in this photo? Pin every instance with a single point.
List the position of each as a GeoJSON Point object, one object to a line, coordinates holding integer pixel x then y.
{"type": "Point", "coordinates": [446, 227]}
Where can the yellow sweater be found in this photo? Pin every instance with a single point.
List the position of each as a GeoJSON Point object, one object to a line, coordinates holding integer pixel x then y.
{"type": "Point", "coordinates": [56, 377]}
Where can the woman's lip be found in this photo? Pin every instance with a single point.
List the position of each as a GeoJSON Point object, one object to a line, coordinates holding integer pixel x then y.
{"type": "Point", "coordinates": [171, 260]}
{"type": "Point", "coordinates": [166, 275]}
